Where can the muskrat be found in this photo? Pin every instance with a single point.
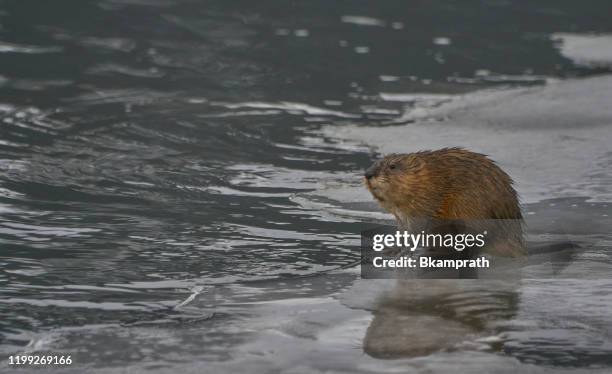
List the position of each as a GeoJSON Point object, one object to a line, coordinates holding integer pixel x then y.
{"type": "Point", "coordinates": [450, 184]}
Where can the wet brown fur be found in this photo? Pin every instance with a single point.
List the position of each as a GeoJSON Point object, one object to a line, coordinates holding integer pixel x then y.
{"type": "Point", "coordinates": [448, 184]}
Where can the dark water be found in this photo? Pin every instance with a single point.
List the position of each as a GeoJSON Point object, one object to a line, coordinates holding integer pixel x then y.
{"type": "Point", "coordinates": [152, 148]}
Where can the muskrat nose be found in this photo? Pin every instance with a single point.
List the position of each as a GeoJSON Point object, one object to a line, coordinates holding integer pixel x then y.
{"type": "Point", "coordinates": [370, 173]}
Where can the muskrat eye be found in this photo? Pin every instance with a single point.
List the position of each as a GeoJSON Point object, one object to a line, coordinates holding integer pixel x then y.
{"type": "Point", "coordinates": [392, 166]}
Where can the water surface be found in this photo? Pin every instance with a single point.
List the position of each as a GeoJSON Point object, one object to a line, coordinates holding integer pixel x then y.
{"type": "Point", "coordinates": [171, 195]}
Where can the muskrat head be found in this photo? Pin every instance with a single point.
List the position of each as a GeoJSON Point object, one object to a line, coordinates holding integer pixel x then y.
{"type": "Point", "coordinates": [393, 179]}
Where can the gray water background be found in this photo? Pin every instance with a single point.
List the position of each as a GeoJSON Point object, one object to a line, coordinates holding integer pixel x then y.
{"type": "Point", "coordinates": [156, 154]}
